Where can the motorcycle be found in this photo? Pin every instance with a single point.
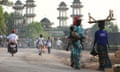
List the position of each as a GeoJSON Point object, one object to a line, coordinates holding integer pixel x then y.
{"type": "Point", "coordinates": [12, 48]}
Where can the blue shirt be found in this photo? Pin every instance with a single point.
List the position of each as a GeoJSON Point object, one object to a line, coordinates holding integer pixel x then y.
{"type": "Point", "coordinates": [79, 30]}
{"type": "Point", "coordinates": [101, 37]}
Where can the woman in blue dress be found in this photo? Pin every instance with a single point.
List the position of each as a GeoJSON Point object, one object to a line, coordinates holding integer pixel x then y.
{"type": "Point", "coordinates": [75, 45]}
{"type": "Point", "coordinates": [101, 41]}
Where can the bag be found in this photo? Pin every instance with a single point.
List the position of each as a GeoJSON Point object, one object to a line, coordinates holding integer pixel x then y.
{"type": "Point", "coordinates": [43, 48]}
{"type": "Point", "coordinates": [94, 52]}
{"type": "Point", "coordinates": [75, 35]}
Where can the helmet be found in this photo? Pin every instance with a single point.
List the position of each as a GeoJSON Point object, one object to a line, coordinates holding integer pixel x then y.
{"type": "Point", "coordinates": [13, 31]}
{"type": "Point", "coordinates": [75, 19]}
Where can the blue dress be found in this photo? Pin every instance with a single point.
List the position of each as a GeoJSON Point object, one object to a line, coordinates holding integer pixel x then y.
{"type": "Point", "coordinates": [76, 48]}
{"type": "Point", "coordinates": [101, 38]}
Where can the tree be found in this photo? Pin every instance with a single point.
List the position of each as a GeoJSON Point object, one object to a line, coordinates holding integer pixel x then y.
{"type": "Point", "coordinates": [3, 1]}
{"type": "Point", "coordinates": [34, 30]}
{"type": "Point", "coordinates": [6, 2]}
{"type": "Point", "coordinates": [2, 22]}
{"type": "Point", "coordinates": [110, 27]}
{"type": "Point", "coordinates": [9, 21]}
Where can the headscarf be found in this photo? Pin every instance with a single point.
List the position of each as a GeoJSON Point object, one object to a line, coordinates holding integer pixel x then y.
{"type": "Point", "coordinates": [75, 20]}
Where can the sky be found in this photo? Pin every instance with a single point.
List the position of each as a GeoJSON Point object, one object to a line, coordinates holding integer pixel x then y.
{"type": "Point", "coordinates": [99, 9]}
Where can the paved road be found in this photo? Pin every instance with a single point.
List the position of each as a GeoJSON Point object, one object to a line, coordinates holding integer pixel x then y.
{"type": "Point", "coordinates": [27, 60]}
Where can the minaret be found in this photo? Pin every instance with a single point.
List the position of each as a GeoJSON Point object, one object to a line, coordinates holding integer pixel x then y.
{"type": "Point", "coordinates": [29, 16]}
{"type": "Point", "coordinates": [18, 16]}
{"type": "Point", "coordinates": [76, 8]}
{"type": "Point", "coordinates": [62, 14]}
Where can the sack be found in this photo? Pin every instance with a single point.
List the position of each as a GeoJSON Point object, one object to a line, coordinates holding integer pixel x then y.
{"type": "Point", "coordinates": [94, 52]}
{"type": "Point", "coordinates": [75, 35]}
{"type": "Point", "coordinates": [43, 48]}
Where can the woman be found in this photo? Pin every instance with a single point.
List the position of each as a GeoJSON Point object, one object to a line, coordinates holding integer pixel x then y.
{"type": "Point", "coordinates": [101, 40]}
{"type": "Point", "coordinates": [75, 45]}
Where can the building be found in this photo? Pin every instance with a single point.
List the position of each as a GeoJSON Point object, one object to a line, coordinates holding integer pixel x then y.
{"type": "Point", "coordinates": [46, 24]}
{"type": "Point", "coordinates": [76, 8]}
{"type": "Point", "coordinates": [29, 15]}
{"type": "Point", "coordinates": [22, 19]}
{"type": "Point", "coordinates": [62, 14]}
{"type": "Point", "coordinates": [18, 16]}
{"type": "Point", "coordinates": [76, 11]}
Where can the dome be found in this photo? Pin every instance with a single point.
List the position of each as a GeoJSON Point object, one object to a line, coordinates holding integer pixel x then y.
{"type": "Point", "coordinates": [18, 2]}
{"type": "Point", "coordinates": [62, 4]}
{"type": "Point", "coordinates": [76, 1]}
{"type": "Point", "coordinates": [45, 20]}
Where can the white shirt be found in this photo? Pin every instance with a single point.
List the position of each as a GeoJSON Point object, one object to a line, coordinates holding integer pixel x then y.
{"type": "Point", "coordinates": [40, 41]}
{"type": "Point", "coordinates": [59, 42]}
{"type": "Point", "coordinates": [12, 37]}
{"type": "Point", "coordinates": [49, 43]}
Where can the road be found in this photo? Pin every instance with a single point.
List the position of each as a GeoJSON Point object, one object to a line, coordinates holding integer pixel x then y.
{"type": "Point", "coordinates": [27, 60]}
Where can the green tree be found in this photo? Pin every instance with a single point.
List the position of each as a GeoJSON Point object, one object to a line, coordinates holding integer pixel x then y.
{"type": "Point", "coordinates": [34, 30]}
{"type": "Point", "coordinates": [3, 1]}
{"type": "Point", "coordinates": [110, 27]}
{"type": "Point", "coordinates": [6, 2]}
{"type": "Point", "coordinates": [2, 22]}
{"type": "Point", "coordinates": [9, 21]}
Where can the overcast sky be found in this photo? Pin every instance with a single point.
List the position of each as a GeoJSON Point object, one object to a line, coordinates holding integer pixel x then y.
{"type": "Point", "coordinates": [99, 9]}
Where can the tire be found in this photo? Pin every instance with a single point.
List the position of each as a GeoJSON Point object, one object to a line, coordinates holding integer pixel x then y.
{"type": "Point", "coordinates": [13, 51]}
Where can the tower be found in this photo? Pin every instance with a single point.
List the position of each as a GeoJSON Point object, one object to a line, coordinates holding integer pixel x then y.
{"type": "Point", "coordinates": [62, 14]}
{"type": "Point", "coordinates": [18, 16]}
{"type": "Point", "coordinates": [29, 16]}
{"type": "Point", "coordinates": [76, 8]}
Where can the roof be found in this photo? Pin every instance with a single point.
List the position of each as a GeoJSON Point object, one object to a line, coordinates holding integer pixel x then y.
{"type": "Point", "coordinates": [45, 20]}
{"type": "Point", "coordinates": [62, 4]}
{"type": "Point", "coordinates": [76, 1]}
{"type": "Point", "coordinates": [18, 2]}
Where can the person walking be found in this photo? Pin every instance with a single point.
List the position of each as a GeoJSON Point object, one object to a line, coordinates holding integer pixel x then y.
{"type": "Point", "coordinates": [101, 42]}
{"type": "Point", "coordinates": [1, 40]}
{"type": "Point", "coordinates": [40, 44]}
{"type": "Point", "coordinates": [75, 43]}
{"type": "Point", "coordinates": [59, 44]}
{"type": "Point", "coordinates": [49, 44]}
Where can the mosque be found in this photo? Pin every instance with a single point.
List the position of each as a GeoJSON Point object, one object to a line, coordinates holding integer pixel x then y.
{"type": "Point", "coordinates": [22, 19]}
{"type": "Point", "coordinates": [62, 29]}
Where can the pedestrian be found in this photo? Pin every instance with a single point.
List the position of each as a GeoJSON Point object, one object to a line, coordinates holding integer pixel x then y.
{"type": "Point", "coordinates": [59, 43]}
{"type": "Point", "coordinates": [49, 44]}
{"type": "Point", "coordinates": [0, 40]}
{"type": "Point", "coordinates": [75, 43]}
{"type": "Point", "coordinates": [101, 42]}
{"type": "Point", "coordinates": [40, 44]}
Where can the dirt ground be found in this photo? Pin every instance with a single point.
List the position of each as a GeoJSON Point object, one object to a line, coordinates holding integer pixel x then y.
{"type": "Point", "coordinates": [87, 61]}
